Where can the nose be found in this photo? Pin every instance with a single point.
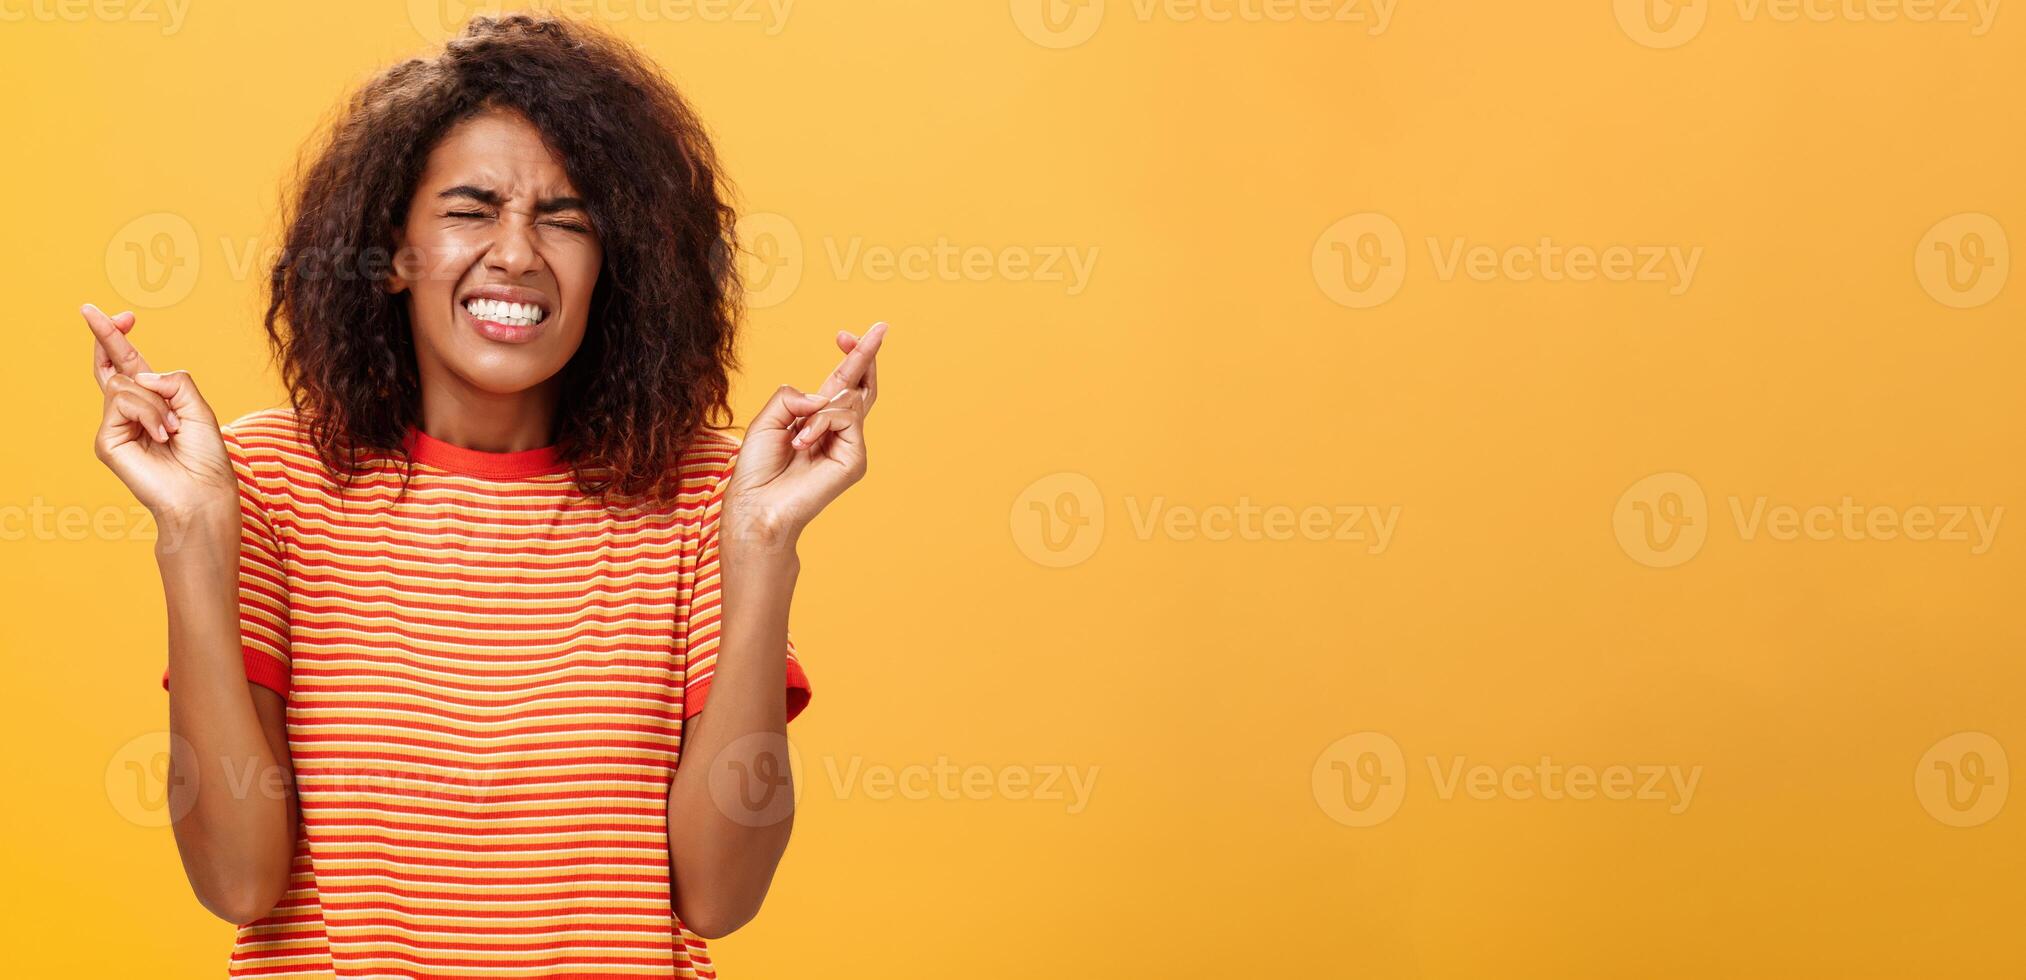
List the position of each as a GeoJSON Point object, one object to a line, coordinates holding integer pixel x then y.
{"type": "Point", "coordinates": [513, 253]}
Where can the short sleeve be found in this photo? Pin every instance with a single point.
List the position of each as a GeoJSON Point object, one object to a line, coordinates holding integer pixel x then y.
{"type": "Point", "coordinates": [263, 588]}
{"type": "Point", "coordinates": [705, 614]}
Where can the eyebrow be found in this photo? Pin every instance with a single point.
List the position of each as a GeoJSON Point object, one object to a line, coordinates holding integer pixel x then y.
{"type": "Point", "coordinates": [490, 198]}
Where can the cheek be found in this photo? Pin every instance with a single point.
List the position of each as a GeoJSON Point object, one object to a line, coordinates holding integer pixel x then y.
{"type": "Point", "coordinates": [429, 320]}
{"type": "Point", "coordinates": [577, 271]}
{"type": "Point", "coordinates": [564, 344]}
{"type": "Point", "coordinates": [434, 265]}
{"type": "Point", "coordinates": [443, 264]}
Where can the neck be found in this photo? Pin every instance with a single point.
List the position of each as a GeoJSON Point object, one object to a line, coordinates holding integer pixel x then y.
{"type": "Point", "coordinates": [465, 416]}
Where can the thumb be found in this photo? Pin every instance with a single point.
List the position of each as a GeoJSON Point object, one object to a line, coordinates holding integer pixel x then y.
{"type": "Point", "coordinates": [180, 391]}
{"type": "Point", "coordinates": [787, 405]}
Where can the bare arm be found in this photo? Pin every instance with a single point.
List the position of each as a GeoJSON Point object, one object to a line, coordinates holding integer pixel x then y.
{"type": "Point", "coordinates": [229, 776]}
{"type": "Point", "coordinates": [725, 841]}
{"type": "Point", "coordinates": [229, 791]}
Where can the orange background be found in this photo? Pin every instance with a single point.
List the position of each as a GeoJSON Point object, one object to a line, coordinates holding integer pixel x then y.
{"type": "Point", "coordinates": [1049, 570]}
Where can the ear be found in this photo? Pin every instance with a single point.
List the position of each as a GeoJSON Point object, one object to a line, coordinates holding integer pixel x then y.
{"type": "Point", "coordinates": [399, 271]}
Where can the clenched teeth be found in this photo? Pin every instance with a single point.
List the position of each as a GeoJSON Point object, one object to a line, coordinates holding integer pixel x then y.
{"type": "Point", "coordinates": [511, 314]}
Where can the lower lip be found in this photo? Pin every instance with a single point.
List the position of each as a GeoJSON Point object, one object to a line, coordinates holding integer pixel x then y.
{"type": "Point", "coordinates": [501, 332]}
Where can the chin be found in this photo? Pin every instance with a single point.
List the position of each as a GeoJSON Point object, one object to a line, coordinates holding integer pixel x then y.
{"type": "Point", "coordinates": [502, 369]}
{"type": "Point", "coordinates": [496, 378]}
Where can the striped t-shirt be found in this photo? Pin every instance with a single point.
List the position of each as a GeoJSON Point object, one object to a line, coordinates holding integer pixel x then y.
{"type": "Point", "coordinates": [486, 683]}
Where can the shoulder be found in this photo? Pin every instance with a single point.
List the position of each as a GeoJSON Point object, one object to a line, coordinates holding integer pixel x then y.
{"type": "Point", "coordinates": [268, 428]}
{"type": "Point", "coordinates": [702, 470]}
{"type": "Point", "coordinates": [709, 457]}
{"type": "Point", "coordinates": [268, 441]}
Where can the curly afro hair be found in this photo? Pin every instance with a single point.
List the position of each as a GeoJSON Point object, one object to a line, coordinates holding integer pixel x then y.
{"type": "Point", "coordinates": [653, 369]}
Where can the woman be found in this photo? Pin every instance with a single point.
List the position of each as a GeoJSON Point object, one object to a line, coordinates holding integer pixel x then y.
{"type": "Point", "coordinates": [443, 633]}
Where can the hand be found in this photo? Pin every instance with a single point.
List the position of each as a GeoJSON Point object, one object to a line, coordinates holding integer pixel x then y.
{"type": "Point", "coordinates": [803, 450]}
{"type": "Point", "coordinates": [157, 434]}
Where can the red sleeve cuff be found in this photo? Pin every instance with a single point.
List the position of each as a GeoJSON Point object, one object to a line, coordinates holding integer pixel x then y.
{"type": "Point", "coordinates": [798, 693]}
{"type": "Point", "coordinates": [261, 669]}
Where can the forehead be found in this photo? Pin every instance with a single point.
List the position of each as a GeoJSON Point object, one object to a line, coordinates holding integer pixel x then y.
{"type": "Point", "coordinates": [498, 150]}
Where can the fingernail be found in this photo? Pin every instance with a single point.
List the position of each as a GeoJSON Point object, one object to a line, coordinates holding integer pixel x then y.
{"type": "Point", "coordinates": [147, 376]}
{"type": "Point", "coordinates": [174, 422]}
{"type": "Point", "coordinates": [161, 435]}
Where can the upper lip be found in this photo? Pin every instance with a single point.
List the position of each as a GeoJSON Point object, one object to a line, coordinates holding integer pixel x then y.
{"type": "Point", "coordinates": [508, 294]}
